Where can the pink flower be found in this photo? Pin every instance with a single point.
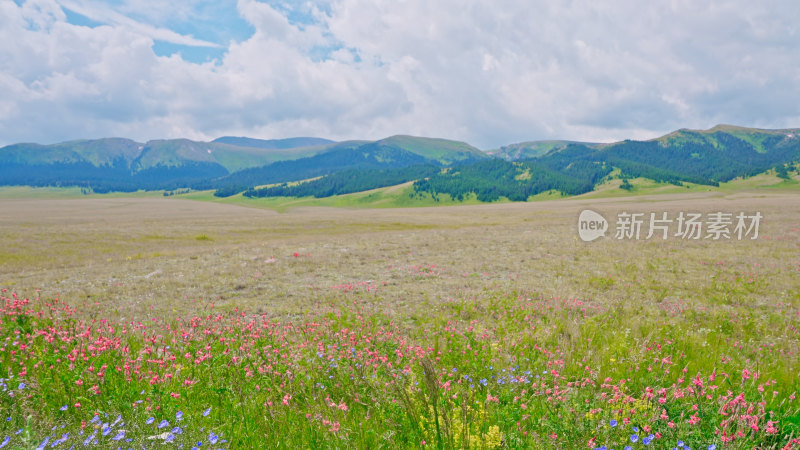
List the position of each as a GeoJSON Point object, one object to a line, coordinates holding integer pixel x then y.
{"type": "Point", "coordinates": [286, 399]}
{"type": "Point", "coordinates": [771, 427]}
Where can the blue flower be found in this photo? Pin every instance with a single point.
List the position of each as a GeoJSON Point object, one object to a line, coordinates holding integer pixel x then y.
{"type": "Point", "coordinates": [119, 436]}
{"type": "Point", "coordinates": [170, 438]}
{"type": "Point", "coordinates": [635, 429]}
{"type": "Point", "coordinates": [150, 420]}
{"type": "Point", "coordinates": [5, 442]}
{"type": "Point", "coordinates": [206, 412]}
{"type": "Point", "coordinates": [634, 438]}
{"type": "Point", "coordinates": [21, 386]}
{"type": "Point", "coordinates": [613, 423]}
{"type": "Point", "coordinates": [163, 424]}
{"type": "Point", "coordinates": [680, 443]}
{"type": "Point", "coordinates": [179, 415]}
{"type": "Point", "coordinates": [177, 430]}
{"type": "Point", "coordinates": [712, 447]}
{"type": "Point", "coordinates": [213, 438]}
{"type": "Point", "coordinates": [44, 442]}
{"type": "Point", "coordinates": [63, 408]}
{"type": "Point", "coordinates": [647, 440]}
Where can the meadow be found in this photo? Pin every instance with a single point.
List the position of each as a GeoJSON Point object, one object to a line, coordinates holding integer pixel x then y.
{"type": "Point", "coordinates": [166, 322]}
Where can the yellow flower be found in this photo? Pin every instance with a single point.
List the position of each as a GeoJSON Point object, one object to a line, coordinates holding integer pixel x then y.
{"type": "Point", "coordinates": [493, 438]}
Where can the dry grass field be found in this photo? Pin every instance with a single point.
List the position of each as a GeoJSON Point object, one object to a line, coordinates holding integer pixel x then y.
{"type": "Point", "coordinates": [607, 329]}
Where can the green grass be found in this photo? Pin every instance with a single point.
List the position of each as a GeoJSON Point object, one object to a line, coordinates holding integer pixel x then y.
{"type": "Point", "coordinates": [401, 196]}
{"type": "Point", "coordinates": [27, 192]}
{"type": "Point", "coordinates": [390, 197]}
{"type": "Point", "coordinates": [483, 327]}
{"type": "Point", "coordinates": [642, 186]}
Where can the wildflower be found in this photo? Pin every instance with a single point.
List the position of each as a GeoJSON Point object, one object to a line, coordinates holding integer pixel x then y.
{"type": "Point", "coordinates": [63, 408]}
{"type": "Point", "coordinates": [163, 424]}
{"type": "Point", "coordinates": [5, 442]}
{"type": "Point", "coordinates": [148, 421]}
{"type": "Point", "coordinates": [179, 415]}
{"type": "Point", "coordinates": [170, 438]}
{"type": "Point", "coordinates": [613, 423]}
{"type": "Point", "coordinates": [634, 438]}
{"type": "Point", "coordinates": [207, 412]}
{"type": "Point", "coordinates": [213, 438]}
{"type": "Point", "coordinates": [771, 427]}
{"type": "Point", "coordinates": [44, 443]}
{"type": "Point", "coordinates": [286, 399]}
{"type": "Point", "coordinates": [120, 435]}
{"type": "Point", "coordinates": [21, 386]}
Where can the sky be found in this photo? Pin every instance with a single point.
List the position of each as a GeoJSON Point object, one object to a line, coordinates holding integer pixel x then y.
{"type": "Point", "coordinates": [490, 73]}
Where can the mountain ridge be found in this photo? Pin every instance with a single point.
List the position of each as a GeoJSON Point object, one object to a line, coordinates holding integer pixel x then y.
{"type": "Point", "coordinates": [236, 164]}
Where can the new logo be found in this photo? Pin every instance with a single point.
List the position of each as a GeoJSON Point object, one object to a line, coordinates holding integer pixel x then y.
{"type": "Point", "coordinates": [591, 225]}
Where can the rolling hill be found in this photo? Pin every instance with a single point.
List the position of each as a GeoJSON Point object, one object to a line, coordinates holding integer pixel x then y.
{"type": "Point", "coordinates": [232, 165]}
{"type": "Point", "coordinates": [228, 163]}
{"type": "Point", "coordinates": [533, 149]}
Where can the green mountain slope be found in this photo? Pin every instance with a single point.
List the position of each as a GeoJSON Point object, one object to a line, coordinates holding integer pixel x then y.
{"type": "Point", "coordinates": [97, 152]}
{"type": "Point", "coordinates": [707, 157]}
{"type": "Point", "coordinates": [532, 149]}
{"type": "Point", "coordinates": [273, 144]}
{"type": "Point", "coordinates": [444, 151]}
{"type": "Point", "coordinates": [232, 165]}
{"type": "Point", "coordinates": [176, 152]}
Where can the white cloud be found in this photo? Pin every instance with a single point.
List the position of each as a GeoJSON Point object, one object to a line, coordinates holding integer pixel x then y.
{"type": "Point", "coordinates": [105, 14]}
{"type": "Point", "coordinates": [490, 73]}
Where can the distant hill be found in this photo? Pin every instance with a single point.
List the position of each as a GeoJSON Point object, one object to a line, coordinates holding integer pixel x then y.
{"type": "Point", "coordinates": [228, 162]}
{"type": "Point", "coordinates": [444, 151]}
{"type": "Point", "coordinates": [231, 165]}
{"type": "Point", "coordinates": [273, 144]}
{"type": "Point", "coordinates": [97, 152]}
{"type": "Point", "coordinates": [532, 149]}
{"type": "Point", "coordinates": [697, 156]}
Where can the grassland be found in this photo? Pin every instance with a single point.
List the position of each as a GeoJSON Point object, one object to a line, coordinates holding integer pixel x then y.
{"type": "Point", "coordinates": [403, 195]}
{"type": "Point", "coordinates": [176, 322]}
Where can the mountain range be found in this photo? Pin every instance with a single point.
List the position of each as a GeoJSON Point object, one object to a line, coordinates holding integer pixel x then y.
{"type": "Point", "coordinates": [258, 167]}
